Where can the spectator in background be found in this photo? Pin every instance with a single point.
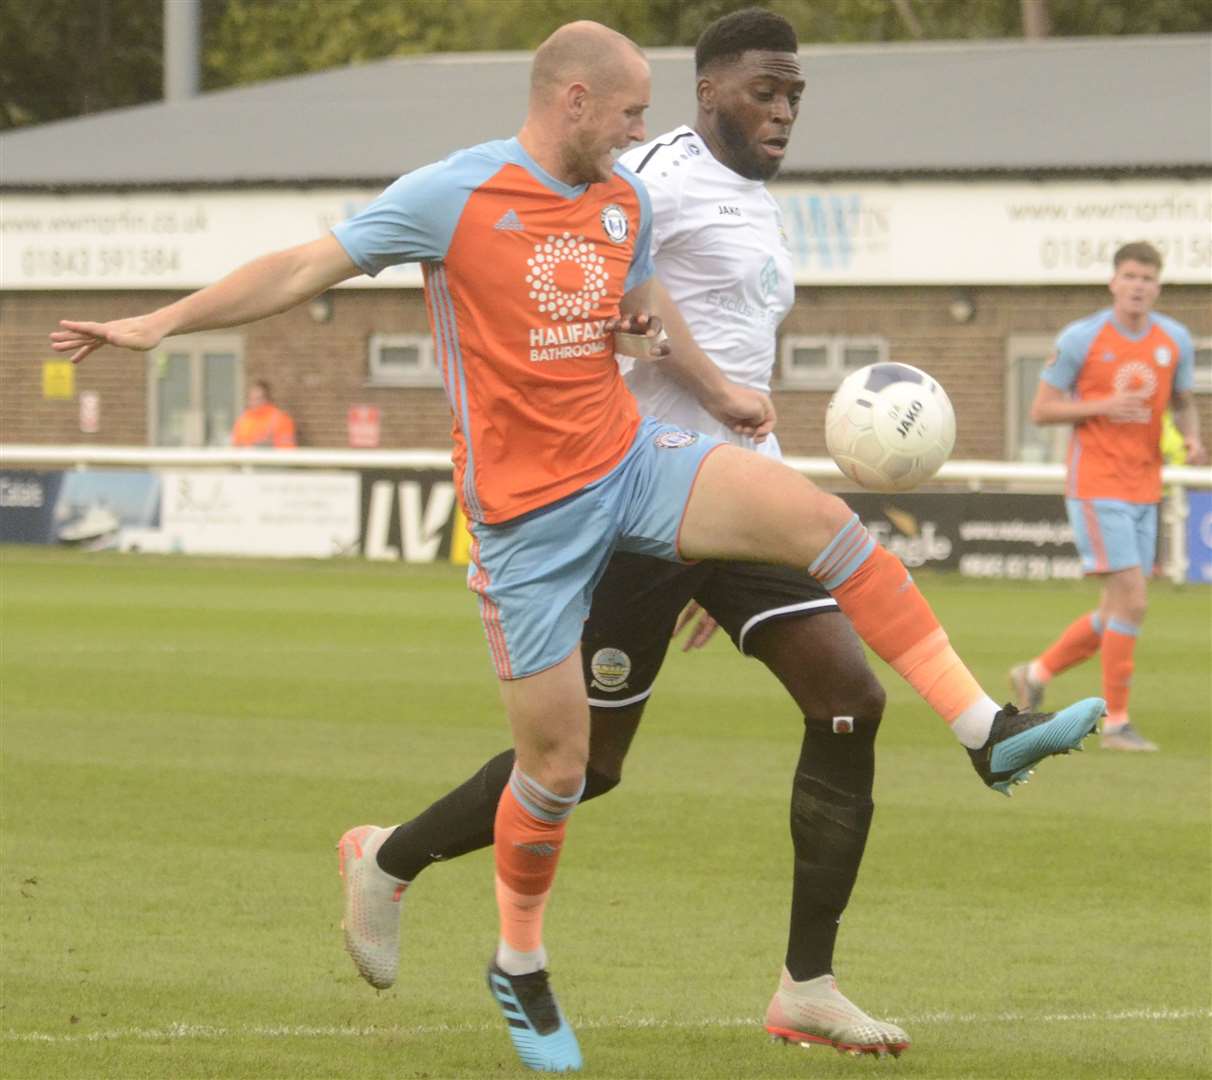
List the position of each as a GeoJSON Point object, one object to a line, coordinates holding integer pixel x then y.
{"type": "Point", "coordinates": [262, 423]}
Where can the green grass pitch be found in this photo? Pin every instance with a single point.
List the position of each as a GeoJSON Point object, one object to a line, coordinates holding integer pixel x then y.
{"type": "Point", "coordinates": [184, 741]}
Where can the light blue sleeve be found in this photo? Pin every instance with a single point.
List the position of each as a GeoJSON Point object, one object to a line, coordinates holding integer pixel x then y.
{"type": "Point", "coordinates": [1184, 372]}
{"type": "Point", "coordinates": [1072, 346]}
{"type": "Point", "coordinates": [415, 218]}
{"type": "Point", "coordinates": [641, 268]}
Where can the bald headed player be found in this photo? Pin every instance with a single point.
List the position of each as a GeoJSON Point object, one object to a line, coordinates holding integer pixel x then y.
{"type": "Point", "coordinates": [730, 274]}
{"type": "Point", "coordinates": [537, 258]}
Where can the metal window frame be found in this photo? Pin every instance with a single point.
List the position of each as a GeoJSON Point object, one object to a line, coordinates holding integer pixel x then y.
{"type": "Point", "coordinates": [835, 369]}
{"type": "Point", "coordinates": [427, 373]}
{"type": "Point", "coordinates": [1020, 347]}
{"type": "Point", "coordinates": [1203, 379]}
{"type": "Point", "coordinates": [195, 346]}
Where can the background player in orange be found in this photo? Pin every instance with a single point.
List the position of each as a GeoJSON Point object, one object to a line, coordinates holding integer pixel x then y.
{"type": "Point", "coordinates": [536, 252]}
{"type": "Point", "coordinates": [262, 423]}
{"type": "Point", "coordinates": [1112, 377]}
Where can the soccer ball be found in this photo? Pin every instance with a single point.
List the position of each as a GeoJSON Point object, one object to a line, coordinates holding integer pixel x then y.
{"type": "Point", "coordinates": [889, 427]}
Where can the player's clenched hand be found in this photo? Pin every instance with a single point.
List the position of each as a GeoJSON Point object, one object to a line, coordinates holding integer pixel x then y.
{"type": "Point", "coordinates": [1197, 453]}
{"type": "Point", "coordinates": [702, 630]}
{"type": "Point", "coordinates": [1126, 407]}
{"type": "Point", "coordinates": [639, 335]}
{"type": "Point", "coordinates": [745, 411]}
{"type": "Point", "coordinates": [81, 338]}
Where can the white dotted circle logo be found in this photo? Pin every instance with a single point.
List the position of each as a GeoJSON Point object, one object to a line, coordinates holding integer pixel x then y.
{"type": "Point", "coordinates": [1135, 375]}
{"type": "Point", "coordinates": [567, 277]}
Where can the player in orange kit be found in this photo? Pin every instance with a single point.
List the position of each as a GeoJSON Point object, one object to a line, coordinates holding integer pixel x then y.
{"type": "Point", "coordinates": [1113, 376]}
{"type": "Point", "coordinates": [538, 260]}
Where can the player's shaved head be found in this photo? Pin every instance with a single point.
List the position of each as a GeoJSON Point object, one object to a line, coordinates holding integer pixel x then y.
{"type": "Point", "coordinates": [585, 52]}
{"type": "Point", "coordinates": [589, 87]}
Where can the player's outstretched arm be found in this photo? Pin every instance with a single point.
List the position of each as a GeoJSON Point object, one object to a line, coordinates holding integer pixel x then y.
{"type": "Point", "coordinates": [263, 287]}
{"type": "Point", "coordinates": [743, 410]}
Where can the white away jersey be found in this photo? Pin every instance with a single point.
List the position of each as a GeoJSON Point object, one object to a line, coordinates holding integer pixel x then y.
{"type": "Point", "coordinates": [721, 251]}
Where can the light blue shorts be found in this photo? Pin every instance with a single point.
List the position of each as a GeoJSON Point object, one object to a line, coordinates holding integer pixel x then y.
{"type": "Point", "coordinates": [1114, 535]}
{"type": "Point", "coordinates": [535, 575]}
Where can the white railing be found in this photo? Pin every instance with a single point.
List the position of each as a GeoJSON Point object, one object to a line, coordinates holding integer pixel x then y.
{"type": "Point", "coordinates": [84, 455]}
{"type": "Point", "coordinates": [972, 474]}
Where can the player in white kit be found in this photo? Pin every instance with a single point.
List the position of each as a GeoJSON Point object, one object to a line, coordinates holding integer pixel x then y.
{"type": "Point", "coordinates": [721, 252]}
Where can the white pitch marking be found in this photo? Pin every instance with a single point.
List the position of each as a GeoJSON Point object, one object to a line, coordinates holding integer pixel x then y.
{"type": "Point", "coordinates": [286, 1031]}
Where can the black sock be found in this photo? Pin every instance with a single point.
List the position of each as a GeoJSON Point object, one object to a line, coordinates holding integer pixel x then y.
{"type": "Point", "coordinates": [831, 811]}
{"type": "Point", "coordinates": [462, 820]}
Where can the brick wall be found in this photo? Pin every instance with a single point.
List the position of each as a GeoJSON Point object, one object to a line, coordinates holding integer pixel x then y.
{"type": "Point", "coordinates": [968, 359]}
{"type": "Point", "coordinates": [319, 369]}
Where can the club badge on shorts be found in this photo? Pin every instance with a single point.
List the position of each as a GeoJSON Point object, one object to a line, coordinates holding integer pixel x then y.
{"type": "Point", "coordinates": [614, 222]}
{"type": "Point", "coordinates": [675, 440]}
{"type": "Point", "coordinates": [610, 669]}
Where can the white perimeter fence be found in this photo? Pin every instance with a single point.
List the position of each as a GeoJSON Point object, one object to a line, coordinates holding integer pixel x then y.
{"type": "Point", "coordinates": [988, 476]}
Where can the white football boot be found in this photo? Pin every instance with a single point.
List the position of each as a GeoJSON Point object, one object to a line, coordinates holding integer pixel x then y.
{"type": "Point", "coordinates": [816, 1011]}
{"type": "Point", "coordinates": [371, 919]}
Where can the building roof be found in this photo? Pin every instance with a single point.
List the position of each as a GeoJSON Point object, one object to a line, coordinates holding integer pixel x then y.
{"type": "Point", "coordinates": [1062, 105]}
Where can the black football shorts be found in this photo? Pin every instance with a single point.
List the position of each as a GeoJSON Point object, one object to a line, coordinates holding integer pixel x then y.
{"type": "Point", "coordinates": [637, 603]}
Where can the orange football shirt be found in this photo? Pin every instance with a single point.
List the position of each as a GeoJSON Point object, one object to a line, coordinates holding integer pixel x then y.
{"type": "Point", "coordinates": [521, 273]}
{"type": "Point", "coordinates": [1094, 359]}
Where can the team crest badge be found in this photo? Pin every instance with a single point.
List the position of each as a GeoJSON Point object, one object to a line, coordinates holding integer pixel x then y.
{"type": "Point", "coordinates": [676, 439]}
{"type": "Point", "coordinates": [610, 668]}
{"type": "Point", "coordinates": [614, 221]}
{"type": "Point", "coordinates": [769, 277]}
{"type": "Point", "coordinates": [1162, 355]}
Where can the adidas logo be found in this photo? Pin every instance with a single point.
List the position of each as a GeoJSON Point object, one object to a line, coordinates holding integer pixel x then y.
{"type": "Point", "coordinates": [545, 850]}
{"type": "Point", "coordinates": [510, 221]}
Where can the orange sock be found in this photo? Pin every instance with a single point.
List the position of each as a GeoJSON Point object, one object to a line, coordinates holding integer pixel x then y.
{"type": "Point", "coordinates": [1119, 647]}
{"type": "Point", "coordinates": [529, 833]}
{"type": "Point", "coordinates": [1079, 642]}
{"type": "Point", "coordinates": [877, 594]}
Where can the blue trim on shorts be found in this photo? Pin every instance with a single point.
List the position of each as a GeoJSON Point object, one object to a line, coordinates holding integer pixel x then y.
{"type": "Point", "coordinates": [1120, 626]}
{"type": "Point", "coordinates": [1112, 534]}
{"type": "Point", "coordinates": [536, 573]}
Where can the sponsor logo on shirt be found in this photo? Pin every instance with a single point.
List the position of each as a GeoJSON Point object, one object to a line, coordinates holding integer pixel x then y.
{"type": "Point", "coordinates": [1162, 355]}
{"type": "Point", "coordinates": [568, 342]}
{"type": "Point", "coordinates": [614, 221]}
{"type": "Point", "coordinates": [567, 278]}
{"type": "Point", "coordinates": [735, 305]}
{"type": "Point", "coordinates": [675, 440]}
{"type": "Point", "coordinates": [730, 211]}
{"type": "Point", "coordinates": [1137, 377]}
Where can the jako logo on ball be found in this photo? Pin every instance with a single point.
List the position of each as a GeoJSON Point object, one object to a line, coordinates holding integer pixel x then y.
{"type": "Point", "coordinates": [889, 427]}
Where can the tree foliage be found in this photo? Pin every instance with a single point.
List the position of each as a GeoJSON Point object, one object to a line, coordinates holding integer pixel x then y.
{"type": "Point", "coordinates": [64, 57]}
